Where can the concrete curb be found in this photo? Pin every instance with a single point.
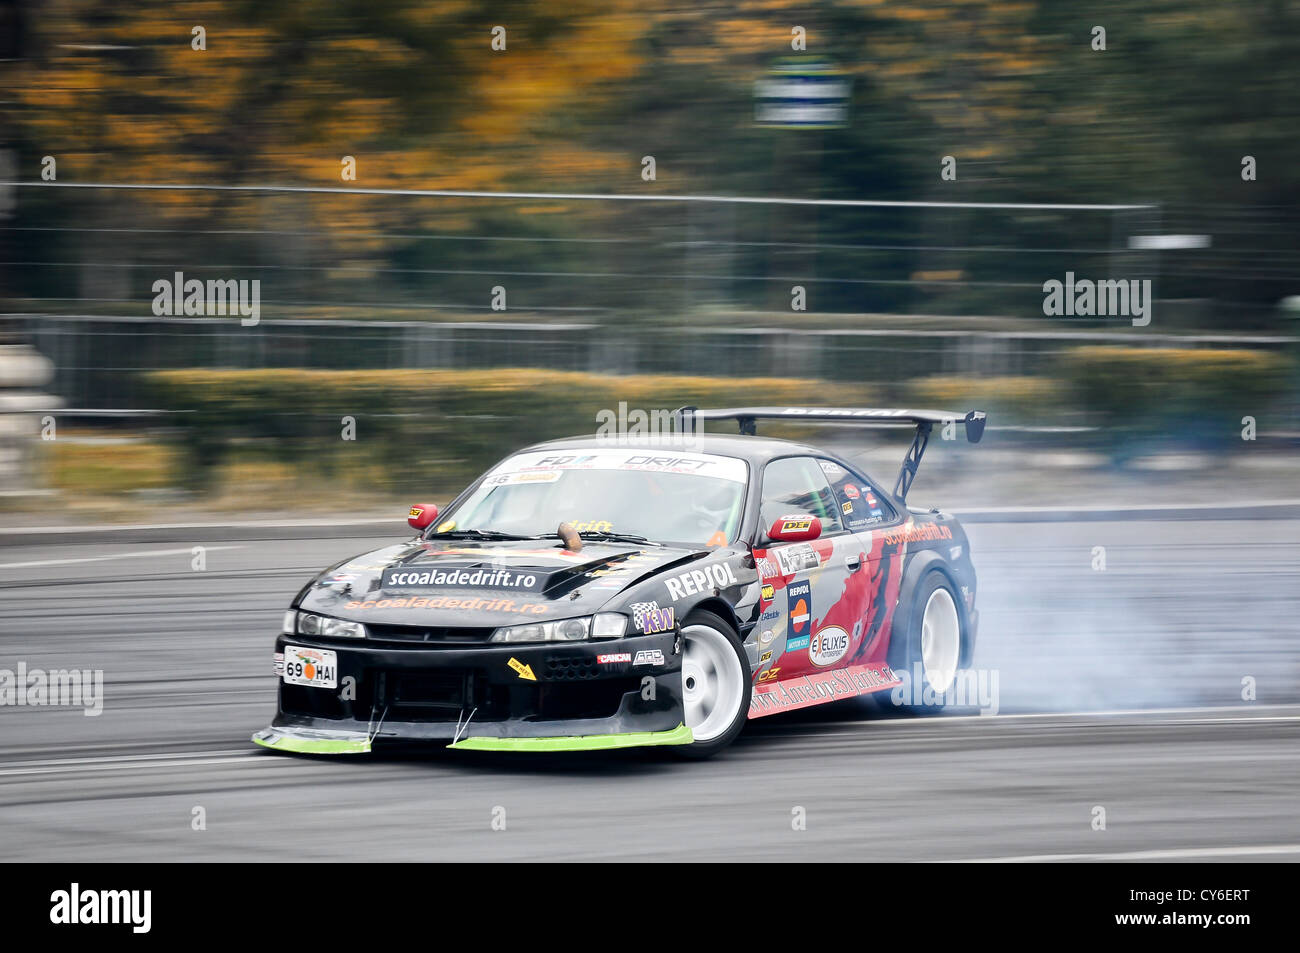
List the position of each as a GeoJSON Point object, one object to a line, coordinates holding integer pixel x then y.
{"type": "Point", "coordinates": [1258, 510]}
{"type": "Point", "coordinates": [209, 532]}
{"type": "Point", "coordinates": [273, 529]}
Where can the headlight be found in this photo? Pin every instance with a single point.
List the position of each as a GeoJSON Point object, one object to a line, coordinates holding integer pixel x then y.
{"type": "Point", "coordinates": [604, 625]}
{"type": "Point", "coordinates": [310, 624]}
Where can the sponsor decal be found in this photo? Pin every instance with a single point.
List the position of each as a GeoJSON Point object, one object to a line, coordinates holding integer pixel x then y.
{"type": "Point", "coordinates": [766, 657]}
{"type": "Point", "coordinates": [851, 491]}
{"type": "Point", "coordinates": [277, 659]}
{"type": "Point", "coordinates": [766, 568]}
{"type": "Point", "coordinates": [512, 557]}
{"type": "Point", "coordinates": [613, 658]}
{"type": "Point", "coordinates": [416, 512]}
{"type": "Point", "coordinates": [528, 476]}
{"type": "Point", "coordinates": [704, 579]}
{"type": "Point", "coordinates": [798, 597]}
{"type": "Point", "coordinates": [318, 668]}
{"type": "Point", "coordinates": [769, 592]}
{"type": "Point", "coordinates": [649, 619]}
{"type": "Point", "coordinates": [471, 604]}
{"type": "Point", "coordinates": [832, 470]}
{"type": "Point", "coordinates": [522, 670]}
{"type": "Point", "coordinates": [770, 675]}
{"type": "Point", "coordinates": [797, 558]}
{"type": "Point", "coordinates": [593, 526]}
{"type": "Point", "coordinates": [767, 637]}
{"type": "Point", "coordinates": [795, 524]}
{"type": "Point", "coordinates": [462, 577]}
{"type": "Point", "coordinates": [548, 466]}
{"type": "Point", "coordinates": [797, 644]}
{"type": "Point", "coordinates": [819, 687]}
{"type": "Point", "coordinates": [846, 506]}
{"type": "Point", "coordinates": [649, 657]}
{"type": "Point", "coordinates": [911, 533]}
{"type": "Point", "coordinates": [828, 646]}
{"type": "Point", "coordinates": [771, 615]}
{"type": "Point", "coordinates": [446, 527]}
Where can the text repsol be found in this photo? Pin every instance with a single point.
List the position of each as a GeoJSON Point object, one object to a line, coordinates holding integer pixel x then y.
{"type": "Point", "coordinates": [719, 575]}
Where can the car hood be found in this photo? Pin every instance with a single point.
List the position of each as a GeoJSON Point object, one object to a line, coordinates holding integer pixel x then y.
{"type": "Point", "coordinates": [478, 583]}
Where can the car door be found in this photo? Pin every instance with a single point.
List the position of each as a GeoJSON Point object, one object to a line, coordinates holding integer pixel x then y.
{"type": "Point", "coordinates": [802, 583]}
{"type": "Point", "coordinates": [874, 560]}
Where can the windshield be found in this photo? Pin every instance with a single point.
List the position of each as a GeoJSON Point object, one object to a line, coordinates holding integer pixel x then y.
{"type": "Point", "coordinates": [692, 499]}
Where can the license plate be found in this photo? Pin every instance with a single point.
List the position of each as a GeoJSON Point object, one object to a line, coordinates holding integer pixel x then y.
{"type": "Point", "coordinates": [318, 668]}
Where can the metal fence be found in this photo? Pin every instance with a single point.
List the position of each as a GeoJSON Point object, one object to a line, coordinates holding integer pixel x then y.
{"type": "Point", "coordinates": [97, 360]}
{"type": "Point", "coordinates": [637, 283]}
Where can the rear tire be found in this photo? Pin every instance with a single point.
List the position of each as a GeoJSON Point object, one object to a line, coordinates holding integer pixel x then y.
{"type": "Point", "coordinates": [935, 641]}
{"type": "Point", "coordinates": [716, 684]}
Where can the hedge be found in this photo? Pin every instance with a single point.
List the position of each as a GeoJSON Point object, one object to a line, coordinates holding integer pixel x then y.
{"type": "Point", "coordinates": [426, 429]}
{"type": "Point", "coordinates": [1021, 400]}
{"type": "Point", "coordinates": [1191, 393]}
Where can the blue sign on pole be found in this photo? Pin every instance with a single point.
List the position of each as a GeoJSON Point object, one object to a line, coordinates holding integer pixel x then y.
{"type": "Point", "coordinates": [803, 94]}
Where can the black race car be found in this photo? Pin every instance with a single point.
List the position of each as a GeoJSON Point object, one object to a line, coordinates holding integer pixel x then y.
{"type": "Point", "coordinates": [602, 592]}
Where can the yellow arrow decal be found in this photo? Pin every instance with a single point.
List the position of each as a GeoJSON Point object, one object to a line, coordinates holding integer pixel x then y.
{"type": "Point", "coordinates": [525, 671]}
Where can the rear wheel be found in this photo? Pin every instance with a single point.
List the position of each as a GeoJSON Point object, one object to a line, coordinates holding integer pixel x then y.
{"type": "Point", "coordinates": [715, 684]}
{"type": "Point", "coordinates": [931, 653]}
{"type": "Point", "coordinates": [940, 639]}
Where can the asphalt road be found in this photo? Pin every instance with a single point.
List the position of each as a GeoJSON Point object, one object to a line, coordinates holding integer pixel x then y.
{"type": "Point", "coordinates": [1183, 618]}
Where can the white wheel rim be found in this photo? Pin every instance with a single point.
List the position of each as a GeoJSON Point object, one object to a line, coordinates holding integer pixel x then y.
{"type": "Point", "coordinates": [940, 640]}
{"type": "Point", "coordinates": [712, 682]}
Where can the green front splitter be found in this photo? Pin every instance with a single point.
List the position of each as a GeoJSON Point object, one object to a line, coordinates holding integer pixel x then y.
{"type": "Point", "coordinates": [681, 735]}
{"type": "Point", "coordinates": [300, 744]}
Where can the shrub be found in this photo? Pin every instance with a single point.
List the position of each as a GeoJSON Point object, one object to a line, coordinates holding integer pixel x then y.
{"type": "Point", "coordinates": [1199, 394]}
{"type": "Point", "coordinates": [1020, 400]}
{"type": "Point", "coordinates": [429, 428]}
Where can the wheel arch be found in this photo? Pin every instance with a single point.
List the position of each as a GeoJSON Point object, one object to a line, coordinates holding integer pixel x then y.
{"type": "Point", "coordinates": [719, 607]}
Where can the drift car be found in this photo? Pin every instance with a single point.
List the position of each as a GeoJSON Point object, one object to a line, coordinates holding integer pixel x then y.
{"type": "Point", "coordinates": [602, 592]}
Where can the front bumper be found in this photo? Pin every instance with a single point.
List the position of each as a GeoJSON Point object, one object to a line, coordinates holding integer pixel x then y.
{"type": "Point", "coordinates": [550, 696]}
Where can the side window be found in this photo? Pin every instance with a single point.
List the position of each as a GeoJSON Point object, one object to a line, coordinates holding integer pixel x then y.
{"type": "Point", "coordinates": [860, 504]}
{"type": "Point", "coordinates": [797, 485]}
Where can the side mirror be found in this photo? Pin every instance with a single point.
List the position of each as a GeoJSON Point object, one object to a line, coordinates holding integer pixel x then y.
{"type": "Point", "coordinates": [795, 529]}
{"type": "Point", "coordinates": [421, 515]}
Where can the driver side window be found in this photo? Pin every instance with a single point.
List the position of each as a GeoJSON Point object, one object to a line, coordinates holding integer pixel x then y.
{"type": "Point", "coordinates": [797, 485]}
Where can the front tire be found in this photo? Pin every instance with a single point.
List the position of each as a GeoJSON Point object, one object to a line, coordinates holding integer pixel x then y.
{"type": "Point", "coordinates": [716, 684]}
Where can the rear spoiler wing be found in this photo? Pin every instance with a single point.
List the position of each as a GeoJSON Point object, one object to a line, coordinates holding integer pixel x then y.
{"type": "Point", "coordinates": [688, 418]}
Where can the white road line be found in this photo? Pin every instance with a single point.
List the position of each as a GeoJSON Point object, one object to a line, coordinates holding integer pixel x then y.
{"type": "Point", "coordinates": [117, 758]}
{"type": "Point", "coordinates": [94, 559]}
{"type": "Point", "coordinates": [239, 756]}
{"type": "Point", "coordinates": [268, 524]}
{"type": "Point", "coordinates": [1122, 508]}
{"type": "Point", "coordinates": [1177, 853]}
{"type": "Point", "coordinates": [74, 767]}
{"type": "Point", "coordinates": [1198, 715]}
